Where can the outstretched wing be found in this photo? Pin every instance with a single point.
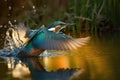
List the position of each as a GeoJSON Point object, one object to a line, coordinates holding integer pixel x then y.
{"type": "Point", "coordinates": [52, 41]}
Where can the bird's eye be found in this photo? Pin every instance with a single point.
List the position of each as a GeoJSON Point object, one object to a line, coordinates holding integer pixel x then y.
{"type": "Point", "coordinates": [62, 24]}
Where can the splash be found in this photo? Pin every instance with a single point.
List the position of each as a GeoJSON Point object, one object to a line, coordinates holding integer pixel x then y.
{"type": "Point", "coordinates": [15, 40]}
{"type": "Point", "coordinates": [17, 37]}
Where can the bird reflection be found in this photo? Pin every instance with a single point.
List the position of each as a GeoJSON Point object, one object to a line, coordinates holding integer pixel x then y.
{"type": "Point", "coordinates": [39, 72]}
{"type": "Point", "coordinates": [17, 67]}
{"type": "Point", "coordinates": [32, 68]}
{"type": "Point", "coordinates": [33, 62]}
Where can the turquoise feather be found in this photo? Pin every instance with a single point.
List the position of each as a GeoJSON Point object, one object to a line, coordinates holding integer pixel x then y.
{"type": "Point", "coordinates": [48, 40]}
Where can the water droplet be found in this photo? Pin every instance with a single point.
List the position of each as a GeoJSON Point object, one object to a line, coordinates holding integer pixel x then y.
{"type": "Point", "coordinates": [9, 8]}
{"type": "Point", "coordinates": [9, 21]}
{"type": "Point", "coordinates": [33, 7]}
{"type": "Point", "coordinates": [1, 26]}
{"type": "Point", "coordinates": [14, 20]}
{"type": "Point", "coordinates": [23, 6]}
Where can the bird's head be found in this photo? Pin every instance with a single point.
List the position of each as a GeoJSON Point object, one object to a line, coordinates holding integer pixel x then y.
{"type": "Point", "coordinates": [58, 25]}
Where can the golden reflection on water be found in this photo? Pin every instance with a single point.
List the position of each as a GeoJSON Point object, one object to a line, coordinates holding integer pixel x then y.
{"type": "Point", "coordinates": [94, 60]}
{"type": "Point", "coordinates": [99, 65]}
{"type": "Point", "coordinates": [62, 62]}
{"type": "Point", "coordinates": [99, 62]}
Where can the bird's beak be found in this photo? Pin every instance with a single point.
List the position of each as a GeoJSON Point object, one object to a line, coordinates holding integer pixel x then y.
{"type": "Point", "coordinates": [69, 24]}
{"type": "Point", "coordinates": [64, 26]}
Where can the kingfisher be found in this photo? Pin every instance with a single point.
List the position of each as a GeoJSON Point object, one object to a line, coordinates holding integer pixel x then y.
{"type": "Point", "coordinates": [52, 38]}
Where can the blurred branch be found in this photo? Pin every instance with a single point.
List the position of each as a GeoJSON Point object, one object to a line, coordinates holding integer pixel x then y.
{"type": "Point", "coordinates": [77, 17]}
{"type": "Point", "coordinates": [101, 8]}
{"type": "Point", "coordinates": [82, 18]}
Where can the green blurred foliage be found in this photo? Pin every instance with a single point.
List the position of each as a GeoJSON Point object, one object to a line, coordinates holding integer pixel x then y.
{"type": "Point", "coordinates": [92, 15]}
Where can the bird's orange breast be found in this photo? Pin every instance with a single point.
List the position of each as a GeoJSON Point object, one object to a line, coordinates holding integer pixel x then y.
{"type": "Point", "coordinates": [36, 52]}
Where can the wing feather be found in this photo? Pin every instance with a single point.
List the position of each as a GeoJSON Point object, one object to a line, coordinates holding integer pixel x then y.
{"type": "Point", "coordinates": [57, 41]}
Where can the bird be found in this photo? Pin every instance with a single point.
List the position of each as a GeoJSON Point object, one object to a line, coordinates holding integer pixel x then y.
{"type": "Point", "coordinates": [52, 38]}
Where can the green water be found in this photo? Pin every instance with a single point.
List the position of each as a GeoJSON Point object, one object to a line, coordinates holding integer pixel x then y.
{"type": "Point", "coordinates": [98, 60]}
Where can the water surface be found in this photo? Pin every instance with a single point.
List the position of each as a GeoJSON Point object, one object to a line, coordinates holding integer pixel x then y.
{"type": "Point", "coordinates": [98, 60]}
